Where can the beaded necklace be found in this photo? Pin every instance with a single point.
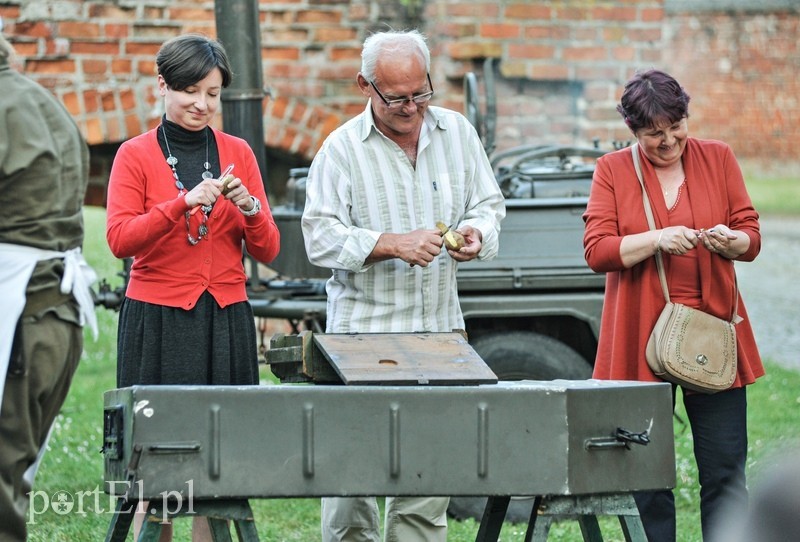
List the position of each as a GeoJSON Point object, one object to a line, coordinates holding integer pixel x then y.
{"type": "Point", "coordinates": [202, 229]}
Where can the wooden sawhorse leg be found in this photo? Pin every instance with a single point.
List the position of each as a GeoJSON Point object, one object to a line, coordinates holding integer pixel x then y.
{"type": "Point", "coordinates": [583, 508]}
{"type": "Point", "coordinates": [218, 512]}
{"type": "Point", "coordinates": [121, 521]}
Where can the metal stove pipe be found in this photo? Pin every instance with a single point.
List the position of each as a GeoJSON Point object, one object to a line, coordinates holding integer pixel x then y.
{"type": "Point", "coordinates": [238, 30]}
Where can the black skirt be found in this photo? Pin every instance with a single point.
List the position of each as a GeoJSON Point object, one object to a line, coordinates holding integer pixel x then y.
{"type": "Point", "coordinates": [205, 345]}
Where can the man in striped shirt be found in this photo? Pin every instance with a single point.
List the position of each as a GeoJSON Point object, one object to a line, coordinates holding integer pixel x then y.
{"type": "Point", "coordinates": [375, 191]}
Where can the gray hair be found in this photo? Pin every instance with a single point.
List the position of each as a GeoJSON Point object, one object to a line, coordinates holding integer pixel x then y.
{"type": "Point", "coordinates": [392, 41]}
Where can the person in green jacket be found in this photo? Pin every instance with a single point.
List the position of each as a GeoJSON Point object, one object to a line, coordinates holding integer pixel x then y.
{"type": "Point", "coordinates": [44, 282]}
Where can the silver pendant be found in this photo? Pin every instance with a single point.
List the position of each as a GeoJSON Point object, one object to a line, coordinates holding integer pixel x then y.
{"type": "Point", "coordinates": [171, 160]}
{"type": "Point", "coordinates": [208, 175]}
{"type": "Point", "coordinates": [202, 231]}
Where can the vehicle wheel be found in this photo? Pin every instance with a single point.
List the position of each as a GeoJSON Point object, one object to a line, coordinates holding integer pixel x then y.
{"type": "Point", "coordinates": [525, 355]}
{"type": "Point", "coordinates": [521, 355]}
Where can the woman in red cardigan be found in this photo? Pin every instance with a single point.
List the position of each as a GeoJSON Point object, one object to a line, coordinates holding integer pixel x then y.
{"type": "Point", "coordinates": [185, 318]}
{"type": "Point", "coordinates": [704, 221]}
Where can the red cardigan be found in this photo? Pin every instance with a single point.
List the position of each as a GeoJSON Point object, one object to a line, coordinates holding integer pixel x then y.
{"type": "Point", "coordinates": [633, 297]}
{"type": "Point", "coordinates": [145, 220]}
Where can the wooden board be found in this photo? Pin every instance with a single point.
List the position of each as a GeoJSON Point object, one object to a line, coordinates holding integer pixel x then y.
{"type": "Point", "coordinates": [404, 358]}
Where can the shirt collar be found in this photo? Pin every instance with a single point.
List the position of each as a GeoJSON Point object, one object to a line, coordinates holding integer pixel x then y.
{"type": "Point", "coordinates": [431, 120]}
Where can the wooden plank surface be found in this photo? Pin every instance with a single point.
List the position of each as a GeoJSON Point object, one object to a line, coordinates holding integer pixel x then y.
{"type": "Point", "coordinates": [404, 358]}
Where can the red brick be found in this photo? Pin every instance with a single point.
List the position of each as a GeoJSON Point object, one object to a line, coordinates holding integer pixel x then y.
{"type": "Point", "coordinates": [91, 101]}
{"type": "Point", "coordinates": [459, 29]}
{"type": "Point", "coordinates": [95, 47]}
{"type": "Point", "coordinates": [191, 14]}
{"type": "Point", "coordinates": [288, 137]}
{"type": "Point", "coordinates": [547, 31]}
{"type": "Point", "coordinates": [303, 145]}
{"type": "Point", "coordinates": [623, 53]}
{"type": "Point", "coordinates": [281, 53]}
{"type": "Point", "coordinates": [50, 66]}
{"type": "Point", "coordinates": [147, 67]}
{"type": "Point", "coordinates": [346, 53]}
{"type": "Point", "coordinates": [298, 112]}
{"type": "Point", "coordinates": [72, 103]}
{"type": "Point", "coordinates": [613, 13]}
{"type": "Point", "coordinates": [145, 48]}
{"type": "Point", "coordinates": [530, 10]}
{"type": "Point", "coordinates": [93, 67]}
{"type": "Point", "coordinates": [651, 15]}
{"type": "Point", "coordinates": [108, 100]}
{"type": "Point", "coordinates": [108, 11]}
{"type": "Point", "coordinates": [56, 47]}
{"type": "Point", "coordinates": [116, 31]}
{"type": "Point", "coordinates": [33, 29]}
{"type": "Point", "coordinates": [113, 129]}
{"type": "Point", "coordinates": [9, 12]}
{"type": "Point", "coordinates": [152, 122]}
{"type": "Point", "coordinates": [127, 99]}
{"type": "Point", "coordinates": [313, 16]}
{"type": "Point", "coordinates": [279, 106]}
{"type": "Point", "coordinates": [282, 35]}
{"type": "Point", "coordinates": [77, 29]}
{"type": "Point", "coordinates": [481, 11]}
{"type": "Point", "coordinates": [357, 12]}
{"type": "Point", "coordinates": [530, 51]}
{"type": "Point", "coordinates": [585, 53]}
{"type": "Point", "coordinates": [133, 125]}
{"type": "Point", "coordinates": [500, 31]}
{"type": "Point", "coordinates": [334, 34]}
{"type": "Point", "coordinates": [465, 49]}
{"type": "Point", "coordinates": [121, 66]}
{"type": "Point", "coordinates": [94, 131]}
{"type": "Point", "coordinates": [25, 48]}
{"type": "Point", "coordinates": [549, 72]}
{"type": "Point", "coordinates": [152, 13]}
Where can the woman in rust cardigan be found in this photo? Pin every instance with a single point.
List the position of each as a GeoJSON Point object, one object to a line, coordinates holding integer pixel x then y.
{"type": "Point", "coordinates": [704, 220]}
{"type": "Point", "coordinates": [185, 318]}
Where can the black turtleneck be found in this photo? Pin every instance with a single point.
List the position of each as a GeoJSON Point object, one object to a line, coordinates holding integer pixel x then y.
{"type": "Point", "coordinates": [190, 149]}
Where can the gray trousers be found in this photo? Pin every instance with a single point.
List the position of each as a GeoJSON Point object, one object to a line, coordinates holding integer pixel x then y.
{"type": "Point", "coordinates": [46, 355]}
{"type": "Point", "coordinates": [408, 519]}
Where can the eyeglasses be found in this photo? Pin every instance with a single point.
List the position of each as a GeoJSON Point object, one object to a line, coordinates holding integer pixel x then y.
{"type": "Point", "coordinates": [397, 103]}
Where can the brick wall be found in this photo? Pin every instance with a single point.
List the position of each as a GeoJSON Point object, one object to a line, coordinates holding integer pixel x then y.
{"type": "Point", "coordinates": [559, 75]}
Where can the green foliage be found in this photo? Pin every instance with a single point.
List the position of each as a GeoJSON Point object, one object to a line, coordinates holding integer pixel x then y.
{"type": "Point", "coordinates": [73, 462]}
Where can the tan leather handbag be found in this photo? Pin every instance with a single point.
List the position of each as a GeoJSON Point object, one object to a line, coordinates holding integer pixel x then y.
{"type": "Point", "coordinates": [687, 346]}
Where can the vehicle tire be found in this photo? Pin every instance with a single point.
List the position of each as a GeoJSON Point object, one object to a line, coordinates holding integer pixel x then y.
{"type": "Point", "coordinates": [526, 355]}
{"type": "Point", "coordinates": [521, 355]}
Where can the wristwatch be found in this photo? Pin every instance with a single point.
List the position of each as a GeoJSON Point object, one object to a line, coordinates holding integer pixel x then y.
{"type": "Point", "coordinates": [256, 207]}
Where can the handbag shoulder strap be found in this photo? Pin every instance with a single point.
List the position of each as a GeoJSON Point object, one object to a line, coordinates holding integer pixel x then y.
{"type": "Point", "coordinates": [648, 211]}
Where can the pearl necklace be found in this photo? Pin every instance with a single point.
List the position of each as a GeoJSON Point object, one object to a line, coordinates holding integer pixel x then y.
{"type": "Point", "coordinates": [202, 229]}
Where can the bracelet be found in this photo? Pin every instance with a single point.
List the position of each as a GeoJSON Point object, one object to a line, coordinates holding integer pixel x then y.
{"type": "Point", "coordinates": [658, 243]}
{"type": "Point", "coordinates": [256, 207]}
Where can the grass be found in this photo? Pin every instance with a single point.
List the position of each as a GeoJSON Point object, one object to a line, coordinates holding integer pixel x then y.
{"type": "Point", "coordinates": [774, 193]}
{"type": "Point", "coordinates": [74, 464]}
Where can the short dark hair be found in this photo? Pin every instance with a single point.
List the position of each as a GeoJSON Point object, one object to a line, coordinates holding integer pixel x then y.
{"type": "Point", "coordinates": [652, 97]}
{"type": "Point", "coordinates": [184, 60]}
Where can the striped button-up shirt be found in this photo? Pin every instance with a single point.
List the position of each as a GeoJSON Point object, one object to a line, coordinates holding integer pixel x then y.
{"type": "Point", "coordinates": [361, 184]}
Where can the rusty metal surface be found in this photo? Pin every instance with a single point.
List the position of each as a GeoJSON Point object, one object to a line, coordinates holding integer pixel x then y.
{"type": "Point", "coordinates": [510, 438]}
{"type": "Point", "coordinates": [404, 358]}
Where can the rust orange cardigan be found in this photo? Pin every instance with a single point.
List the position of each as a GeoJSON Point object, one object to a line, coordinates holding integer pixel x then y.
{"type": "Point", "coordinates": [146, 220]}
{"type": "Point", "coordinates": [633, 297]}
